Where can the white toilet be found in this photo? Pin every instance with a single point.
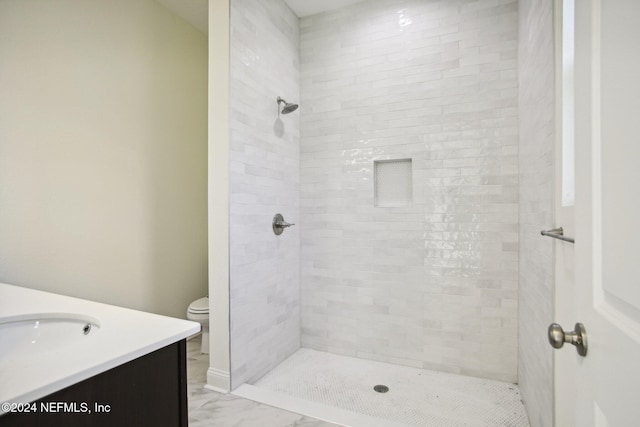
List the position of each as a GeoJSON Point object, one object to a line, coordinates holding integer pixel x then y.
{"type": "Point", "coordinates": [198, 311]}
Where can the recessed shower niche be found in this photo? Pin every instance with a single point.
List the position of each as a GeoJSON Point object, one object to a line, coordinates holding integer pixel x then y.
{"type": "Point", "coordinates": [393, 184]}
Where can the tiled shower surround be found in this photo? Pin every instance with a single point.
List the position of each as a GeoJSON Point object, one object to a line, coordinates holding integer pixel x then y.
{"type": "Point", "coordinates": [537, 92]}
{"type": "Point", "coordinates": [264, 180]}
{"type": "Point", "coordinates": [432, 284]}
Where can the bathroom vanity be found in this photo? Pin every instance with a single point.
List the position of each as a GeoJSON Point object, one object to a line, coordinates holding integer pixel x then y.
{"type": "Point", "coordinates": [67, 361]}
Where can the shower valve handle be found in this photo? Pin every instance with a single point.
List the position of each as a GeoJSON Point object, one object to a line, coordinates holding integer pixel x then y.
{"type": "Point", "coordinates": [279, 224]}
{"type": "Point", "coordinates": [283, 224]}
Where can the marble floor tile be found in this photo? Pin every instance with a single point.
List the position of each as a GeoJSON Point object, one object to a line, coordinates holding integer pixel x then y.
{"type": "Point", "coordinates": [209, 408]}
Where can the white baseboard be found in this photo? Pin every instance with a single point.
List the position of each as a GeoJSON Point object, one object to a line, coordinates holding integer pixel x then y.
{"type": "Point", "coordinates": [218, 380]}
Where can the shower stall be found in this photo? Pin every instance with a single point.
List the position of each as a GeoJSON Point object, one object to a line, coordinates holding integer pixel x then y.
{"type": "Point", "coordinates": [400, 170]}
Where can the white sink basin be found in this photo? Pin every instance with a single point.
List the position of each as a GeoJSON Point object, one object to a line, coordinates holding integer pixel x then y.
{"type": "Point", "coordinates": [43, 347]}
{"type": "Point", "coordinates": [30, 334]}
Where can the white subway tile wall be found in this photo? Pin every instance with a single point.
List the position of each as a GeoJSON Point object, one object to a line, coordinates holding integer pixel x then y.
{"type": "Point", "coordinates": [434, 284]}
{"type": "Point", "coordinates": [536, 74]}
{"type": "Point", "coordinates": [265, 180]}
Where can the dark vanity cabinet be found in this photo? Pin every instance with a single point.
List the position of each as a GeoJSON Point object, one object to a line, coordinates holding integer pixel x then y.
{"type": "Point", "coordinates": [148, 391]}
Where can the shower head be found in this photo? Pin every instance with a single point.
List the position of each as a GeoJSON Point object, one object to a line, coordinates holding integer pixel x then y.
{"type": "Point", "coordinates": [288, 108]}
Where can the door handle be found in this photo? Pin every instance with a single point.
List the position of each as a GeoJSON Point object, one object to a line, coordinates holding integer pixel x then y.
{"type": "Point", "coordinates": [577, 337]}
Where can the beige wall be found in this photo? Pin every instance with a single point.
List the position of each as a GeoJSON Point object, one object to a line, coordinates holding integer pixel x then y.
{"type": "Point", "coordinates": [103, 152]}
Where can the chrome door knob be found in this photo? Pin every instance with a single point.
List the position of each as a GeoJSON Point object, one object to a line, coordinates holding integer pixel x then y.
{"type": "Point", "coordinates": [577, 337]}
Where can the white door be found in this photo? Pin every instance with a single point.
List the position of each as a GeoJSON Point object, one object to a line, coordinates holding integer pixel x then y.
{"type": "Point", "coordinates": [602, 289]}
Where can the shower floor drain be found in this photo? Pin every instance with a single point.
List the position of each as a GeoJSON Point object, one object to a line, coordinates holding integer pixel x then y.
{"type": "Point", "coordinates": [381, 388]}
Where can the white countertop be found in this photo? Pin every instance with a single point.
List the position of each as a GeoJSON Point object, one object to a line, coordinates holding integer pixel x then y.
{"type": "Point", "coordinates": [123, 335]}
